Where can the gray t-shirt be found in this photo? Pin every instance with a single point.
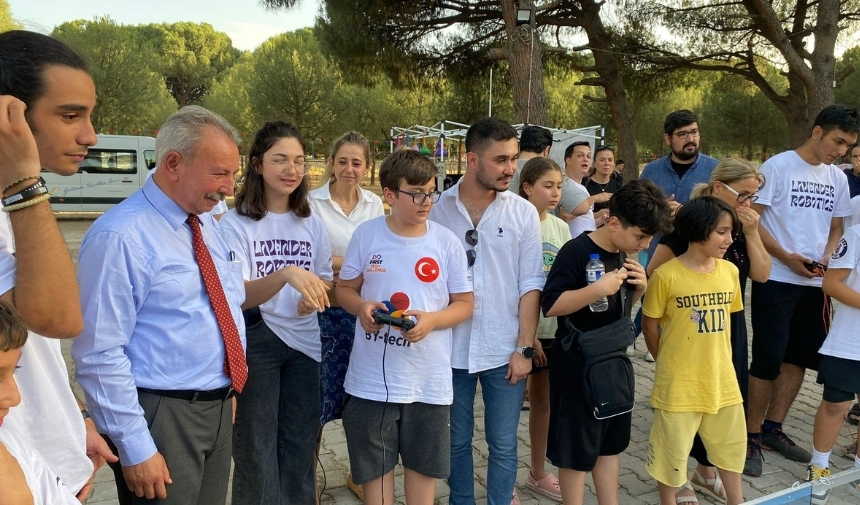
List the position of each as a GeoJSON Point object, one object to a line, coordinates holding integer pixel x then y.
{"type": "Point", "coordinates": [571, 196]}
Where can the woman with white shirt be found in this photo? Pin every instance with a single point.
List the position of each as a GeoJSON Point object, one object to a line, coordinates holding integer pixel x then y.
{"type": "Point", "coordinates": [286, 263]}
{"type": "Point", "coordinates": [343, 205]}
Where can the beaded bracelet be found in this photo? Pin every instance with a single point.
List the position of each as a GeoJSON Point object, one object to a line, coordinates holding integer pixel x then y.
{"type": "Point", "coordinates": [27, 203]}
{"type": "Point", "coordinates": [19, 181]}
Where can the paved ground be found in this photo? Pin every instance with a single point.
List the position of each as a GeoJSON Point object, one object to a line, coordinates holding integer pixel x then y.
{"type": "Point", "coordinates": [636, 486]}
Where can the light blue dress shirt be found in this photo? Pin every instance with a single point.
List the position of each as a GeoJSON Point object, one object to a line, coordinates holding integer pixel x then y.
{"type": "Point", "coordinates": [148, 321]}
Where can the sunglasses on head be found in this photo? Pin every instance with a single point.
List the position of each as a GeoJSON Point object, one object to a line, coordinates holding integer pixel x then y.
{"type": "Point", "coordinates": [603, 148]}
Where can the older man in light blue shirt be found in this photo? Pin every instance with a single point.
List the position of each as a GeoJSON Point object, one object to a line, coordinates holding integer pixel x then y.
{"type": "Point", "coordinates": [151, 359]}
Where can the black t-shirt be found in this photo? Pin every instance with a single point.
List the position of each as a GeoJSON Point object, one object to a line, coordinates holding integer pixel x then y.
{"type": "Point", "coordinates": [594, 188]}
{"type": "Point", "coordinates": [568, 273]}
{"type": "Point", "coordinates": [736, 253]}
{"type": "Point", "coordinates": [680, 168]}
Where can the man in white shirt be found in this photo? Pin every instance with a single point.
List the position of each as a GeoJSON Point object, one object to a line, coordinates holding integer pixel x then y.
{"type": "Point", "coordinates": [802, 206]}
{"type": "Point", "coordinates": [51, 81]}
{"type": "Point", "coordinates": [501, 234]}
{"type": "Point", "coordinates": [577, 162]}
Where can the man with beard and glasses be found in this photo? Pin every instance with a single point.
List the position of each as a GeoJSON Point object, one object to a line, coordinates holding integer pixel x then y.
{"type": "Point", "coordinates": [677, 173]}
{"type": "Point", "coordinates": [501, 233]}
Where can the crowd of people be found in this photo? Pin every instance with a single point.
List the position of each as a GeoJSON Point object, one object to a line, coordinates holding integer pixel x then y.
{"type": "Point", "coordinates": [204, 338]}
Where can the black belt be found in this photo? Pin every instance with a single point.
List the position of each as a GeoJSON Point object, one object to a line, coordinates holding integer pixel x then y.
{"type": "Point", "coordinates": [222, 394]}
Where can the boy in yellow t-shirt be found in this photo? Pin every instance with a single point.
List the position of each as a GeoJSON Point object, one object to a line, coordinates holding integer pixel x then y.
{"type": "Point", "coordinates": [695, 389]}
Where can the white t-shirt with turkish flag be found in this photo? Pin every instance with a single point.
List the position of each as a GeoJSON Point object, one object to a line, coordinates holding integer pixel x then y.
{"type": "Point", "coordinates": [410, 274]}
{"type": "Point", "coordinates": [800, 200]}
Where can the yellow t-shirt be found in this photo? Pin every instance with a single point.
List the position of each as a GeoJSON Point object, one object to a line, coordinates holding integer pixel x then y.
{"type": "Point", "coordinates": [694, 366]}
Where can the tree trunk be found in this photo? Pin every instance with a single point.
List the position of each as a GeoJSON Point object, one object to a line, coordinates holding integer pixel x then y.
{"type": "Point", "coordinates": [524, 53]}
{"type": "Point", "coordinates": [610, 75]}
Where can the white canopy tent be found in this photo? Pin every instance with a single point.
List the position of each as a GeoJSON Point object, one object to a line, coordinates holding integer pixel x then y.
{"type": "Point", "coordinates": [446, 130]}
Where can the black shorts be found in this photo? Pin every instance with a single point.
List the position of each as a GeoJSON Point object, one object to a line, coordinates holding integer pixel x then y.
{"type": "Point", "coordinates": [576, 438]}
{"type": "Point", "coordinates": [841, 378]}
{"type": "Point", "coordinates": [789, 325]}
{"type": "Point", "coordinates": [378, 432]}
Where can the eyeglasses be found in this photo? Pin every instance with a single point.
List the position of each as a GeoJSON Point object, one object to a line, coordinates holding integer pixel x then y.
{"type": "Point", "coordinates": [283, 166]}
{"type": "Point", "coordinates": [690, 133]}
{"type": "Point", "coordinates": [472, 240]}
{"type": "Point", "coordinates": [419, 198]}
{"type": "Point", "coordinates": [603, 148]}
{"type": "Point", "coordinates": [741, 198]}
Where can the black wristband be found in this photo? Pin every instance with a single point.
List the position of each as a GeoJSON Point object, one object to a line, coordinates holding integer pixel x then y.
{"type": "Point", "coordinates": [25, 194]}
{"type": "Point", "coordinates": [86, 414]}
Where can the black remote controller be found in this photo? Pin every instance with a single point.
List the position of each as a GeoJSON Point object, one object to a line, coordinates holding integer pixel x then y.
{"type": "Point", "coordinates": [405, 324]}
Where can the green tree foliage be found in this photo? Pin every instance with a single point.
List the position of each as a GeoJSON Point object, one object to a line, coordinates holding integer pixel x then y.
{"type": "Point", "coordinates": [737, 37]}
{"type": "Point", "coordinates": [741, 121]}
{"type": "Point", "coordinates": [293, 79]}
{"type": "Point", "coordinates": [229, 97]}
{"type": "Point", "coordinates": [848, 90]}
{"type": "Point", "coordinates": [131, 96]}
{"type": "Point", "coordinates": [189, 56]}
{"type": "Point", "coordinates": [7, 22]}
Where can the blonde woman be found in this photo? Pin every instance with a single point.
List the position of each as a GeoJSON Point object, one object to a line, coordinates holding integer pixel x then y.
{"type": "Point", "coordinates": [735, 181]}
{"type": "Point", "coordinates": [343, 205]}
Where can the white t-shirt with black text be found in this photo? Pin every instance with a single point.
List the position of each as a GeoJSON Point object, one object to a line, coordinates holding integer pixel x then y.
{"type": "Point", "coordinates": [410, 273]}
{"type": "Point", "coordinates": [800, 201]}
{"type": "Point", "coordinates": [46, 486]}
{"type": "Point", "coordinates": [843, 340]}
{"type": "Point", "coordinates": [270, 244]}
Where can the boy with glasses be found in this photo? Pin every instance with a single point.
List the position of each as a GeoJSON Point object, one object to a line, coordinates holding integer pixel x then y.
{"type": "Point", "coordinates": [404, 267]}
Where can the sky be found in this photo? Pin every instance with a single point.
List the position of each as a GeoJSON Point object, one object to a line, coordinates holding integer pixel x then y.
{"type": "Point", "coordinates": [245, 21]}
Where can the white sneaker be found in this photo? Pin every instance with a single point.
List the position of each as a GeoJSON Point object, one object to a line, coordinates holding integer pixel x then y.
{"type": "Point", "coordinates": [649, 358]}
{"type": "Point", "coordinates": [631, 349]}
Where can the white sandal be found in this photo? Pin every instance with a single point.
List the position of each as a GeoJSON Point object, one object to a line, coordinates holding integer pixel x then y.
{"type": "Point", "coordinates": [711, 487]}
{"type": "Point", "coordinates": [680, 500]}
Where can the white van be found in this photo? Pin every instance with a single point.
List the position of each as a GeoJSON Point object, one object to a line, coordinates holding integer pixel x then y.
{"type": "Point", "coordinates": [114, 168]}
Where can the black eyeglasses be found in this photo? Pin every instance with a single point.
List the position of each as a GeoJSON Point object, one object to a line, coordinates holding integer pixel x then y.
{"type": "Point", "coordinates": [603, 148]}
{"type": "Point", "coordinates": [472, 240]}
{"type": "Point", "coordinates": [419, 198]}
{"type": "Point", "coordinates": [741, 198]}
{"type": "Point", "coordinates": [690, 133]}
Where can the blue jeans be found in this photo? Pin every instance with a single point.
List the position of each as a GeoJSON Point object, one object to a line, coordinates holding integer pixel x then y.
{"type": "Point", "coordinates": [277, 421]}
{"type": "Point", "coordinates": [502, 404]}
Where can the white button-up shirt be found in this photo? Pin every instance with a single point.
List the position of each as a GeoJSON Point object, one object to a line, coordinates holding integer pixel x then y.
{"type": "Point", "coordinates": [341, 226]}
{"type": "Point", "coordinates": [508, 264]}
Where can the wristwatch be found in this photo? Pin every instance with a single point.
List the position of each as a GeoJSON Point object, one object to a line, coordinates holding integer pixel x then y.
{"type": "Point", "coordinates": [527, 352]}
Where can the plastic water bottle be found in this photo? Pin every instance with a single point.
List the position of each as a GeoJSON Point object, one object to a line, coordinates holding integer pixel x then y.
{"type": "Point", "coordinates": [594, 270]}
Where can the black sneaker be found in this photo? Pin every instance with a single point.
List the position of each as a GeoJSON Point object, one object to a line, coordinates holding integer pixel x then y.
{"type": "Point", "coordinates": [778, 441]}
{"type": "Point", "coordinates": [752, 467]}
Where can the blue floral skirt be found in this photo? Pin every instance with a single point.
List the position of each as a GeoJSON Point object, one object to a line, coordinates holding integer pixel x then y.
{"type": "Point", "coordinates": [337, 331]}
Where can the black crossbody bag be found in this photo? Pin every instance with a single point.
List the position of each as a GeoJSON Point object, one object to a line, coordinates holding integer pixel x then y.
{"type": "Point", "coordinates": [608, 379]}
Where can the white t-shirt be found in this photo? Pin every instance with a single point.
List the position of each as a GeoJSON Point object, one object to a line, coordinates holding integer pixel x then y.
{"type": "Point", "coordinates": [843, 340]}
{"type": "Point", "coordinates": [48, 417]}
{"type": "Point", "coordinates": [582, 223]}
{"type": "Point", "coordinates": [46, 486]}
{"type": "Point", "coordinates": [411, 273]}
{"type": "Point", "coordinates": [800, 201]}
{"type": "Point", "coordinates": [339, 225]}
{"type": "Point", "coordinates": [854, 218]}
{"type": "Point", "coordinates": [270, 244]}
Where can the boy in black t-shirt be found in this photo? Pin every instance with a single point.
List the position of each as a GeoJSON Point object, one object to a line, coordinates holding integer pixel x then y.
{"type": "Point", "coordinates": [578, 442]}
